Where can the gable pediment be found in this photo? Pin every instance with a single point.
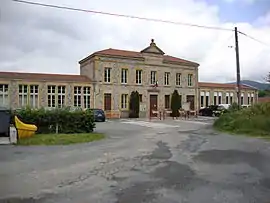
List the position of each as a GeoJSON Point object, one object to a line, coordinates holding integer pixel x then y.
{"type": "Point", "coordinates": [153, 49]}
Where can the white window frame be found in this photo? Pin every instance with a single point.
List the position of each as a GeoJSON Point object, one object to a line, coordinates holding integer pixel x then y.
{"type": "Point", "coordinates": [202, 99]}
{"type": "Point", "coordinates": [252, 99]}
{"type": "Point", "coordinates": [139, 77]}
{"type": "Point", "coordinates": [153, 77]}
{"type": "Point", "coordinates": [23, 95]}
{"type": "Point", "coordinates": [219, 96]}
{"type": "Point", "coordinates": [61, 96]}
{"type": "Point", "coordinates": [124, 101]}
{"type": "Point", "coordinates": [231, 97]}
{"type": "Point", "coordinates": [86, 97]}
{"type": "Point", "coordinates": [107, 74]}
{"type": "Point", "coordinates": [248, 99]}
{"type": "Point", "coordinates": [77, 96]}
{"type": "Point", "coordinates": [242, 101]}
{"type": "Point", "coordinates": [189, 82]}
{"type": "Point", "coordinates": [178, 79]}
{"type": "Point", "coordinates": [167, 78]}
{"type": "Point", "coordinates": [227, 98]}
{"type": "Point", "coordinates": [4, 93]}
{"type": "Point", "coordinates": [207, 99]}
{"type": "Point", "coordinates": [33, 96]}
{"type": "Point", "coordinates": [124, 76]}
{"type": "Point", "coordinates": [215, 98]}
{"type": "Point", "coordinates": [51, 96]}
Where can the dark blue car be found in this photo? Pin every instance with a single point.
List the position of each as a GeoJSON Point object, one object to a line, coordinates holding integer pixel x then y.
{"type": "Point", "coordinates": [99, 115]}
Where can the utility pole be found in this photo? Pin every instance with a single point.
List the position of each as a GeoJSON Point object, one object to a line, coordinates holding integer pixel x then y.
{"type": "Point", "coordinates": [237, 68]}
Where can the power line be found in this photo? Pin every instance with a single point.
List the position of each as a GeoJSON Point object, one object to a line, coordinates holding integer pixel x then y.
{"type": "Point", "coordinates": [253, 38]}
{"type": "Point", "coordinates": [121, 15]}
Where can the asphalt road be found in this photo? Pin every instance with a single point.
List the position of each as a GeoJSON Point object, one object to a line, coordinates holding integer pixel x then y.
{"type": "Point", "coordinates": [161, 162]}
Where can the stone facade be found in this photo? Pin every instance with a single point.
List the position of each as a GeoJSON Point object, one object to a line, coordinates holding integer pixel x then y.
{"type": "Point", "coordinates": [94, 68]}
{"type": "Point", "coordinates": [249, 94]}
{"type": "Point", "coordinates": [13, 91]}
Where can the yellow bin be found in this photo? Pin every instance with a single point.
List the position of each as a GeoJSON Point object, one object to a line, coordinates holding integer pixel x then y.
{"type": "Point", "coordinates": [24, 130]}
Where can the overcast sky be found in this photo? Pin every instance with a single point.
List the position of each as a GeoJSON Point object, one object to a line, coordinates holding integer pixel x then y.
{"type": "Point", "coordinates": [39, 39]}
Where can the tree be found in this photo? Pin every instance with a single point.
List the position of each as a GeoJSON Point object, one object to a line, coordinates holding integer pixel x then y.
{"type": "Point", "coordinates": [134, 104]}
{"type": "Point", "coordinates": [175, 103]}
{"type": "Point", "coordinates": [262, 93]}
{"type": "Point", "coordinates": [268, 78]}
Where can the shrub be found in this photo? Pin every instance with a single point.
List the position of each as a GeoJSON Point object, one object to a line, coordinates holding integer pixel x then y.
{"type": "Point", "coordinates": [175, 103]}
{"type": "Point", "coordinates": [58, 120]}
{"type": "Point", "coordinates": [134, 105]}
{"type": "Point", "coordinates": [254, 120]}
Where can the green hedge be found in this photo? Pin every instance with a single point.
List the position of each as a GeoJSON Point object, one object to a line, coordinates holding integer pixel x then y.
{"type": "Point", "coordinates": [59, 120]}
{"type": "Point", "coordinates": [254, 120]}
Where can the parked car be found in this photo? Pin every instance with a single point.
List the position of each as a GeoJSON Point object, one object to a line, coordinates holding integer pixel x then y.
{"type": "Point", "coordinates": [222, 108]}
{"type": "Point", "coordinates": [208, 111]}
{"type": "Point", "coordinates": [99, 115]}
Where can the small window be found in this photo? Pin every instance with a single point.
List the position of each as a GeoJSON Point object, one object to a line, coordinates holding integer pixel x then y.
{"type": "Point", "coordinates": [139, 77]}
{"type": "Point", "coordinates": [153, 78]}
{"type": "Point", "coordinates": [107, 75]}
{"type": "Point", "coordinates": [124, 101]}
{"type": "Point", "coordinates": [178, 79]}
{"type": "Point", "coordinates": [190, 76]}
{"type": "Point", "coordinates": [167, 78]}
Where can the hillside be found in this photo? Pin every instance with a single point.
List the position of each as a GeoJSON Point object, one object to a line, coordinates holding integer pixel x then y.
{"type": "Point", "coordinates": [258, 85]}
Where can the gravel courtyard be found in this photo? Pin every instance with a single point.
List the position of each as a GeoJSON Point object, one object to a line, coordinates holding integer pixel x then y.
{"type": "Point", "coordinates": [141, 161]}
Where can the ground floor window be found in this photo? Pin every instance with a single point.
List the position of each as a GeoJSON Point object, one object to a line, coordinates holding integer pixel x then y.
{"type": "Point", "coordinates": [124, 101]}
{"type": "Point", "coordinates": [4, 99]}
{"type": "Point", "coordinates": [167, 101]}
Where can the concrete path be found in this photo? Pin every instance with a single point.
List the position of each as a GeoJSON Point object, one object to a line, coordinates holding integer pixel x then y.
{"type": "Point", "coordinates": [141, 161]}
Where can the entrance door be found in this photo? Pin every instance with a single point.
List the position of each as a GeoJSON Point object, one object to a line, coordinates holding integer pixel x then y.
{"type": "Point", "coordinates": [190, 99]}
{"type": "Point", "coordinates": [153, 104]}
{"type": "Point", "coordinates": [107, 101]}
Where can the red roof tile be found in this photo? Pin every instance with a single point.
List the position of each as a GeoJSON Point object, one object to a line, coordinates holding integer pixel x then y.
{"type": "Point", "coordinates": [263, 99]}
{"type": "Point", "coordinates": [138, 55]}
{"type": "Point", "coordinates": [222, 85]}
{"type": "Point", "coordinates": [44, 77]}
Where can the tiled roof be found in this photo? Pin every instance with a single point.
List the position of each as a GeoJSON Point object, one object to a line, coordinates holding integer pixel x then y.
{"type": "Point", "coordinates": [44, 76]}
{"type": "Point", "coordinates": [222, 85]}
{"type": "Point", "coordinates": [138, 55]}
{"type": "Point", "coordinates": [263, 99]}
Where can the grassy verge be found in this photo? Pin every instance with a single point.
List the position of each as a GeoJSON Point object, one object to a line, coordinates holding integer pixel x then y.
{"type": "Point", "coordinates": [60, 139]}
{"type": "Point", "coordinates": [253, 121]}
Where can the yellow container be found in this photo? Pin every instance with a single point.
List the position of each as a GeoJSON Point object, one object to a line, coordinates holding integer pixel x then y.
{"type": "Point", "coordinates": [24, 130]}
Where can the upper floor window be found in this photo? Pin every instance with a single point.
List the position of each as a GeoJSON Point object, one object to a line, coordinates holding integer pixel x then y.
{"type": "Point", "coordinates": [4, 101]}
{"type": "Point", "coordinates": [153, 77]}
{"type": "Point", "coordinates": [178, 79]}
{"type": "Point", "coordinates": [167, 78]}
{"type": "Point", "coordinates": [138, 76]}
{"type": "Point", "coordinates": [124, 76]}
{"type": "Point", "coordinates": [107, 74]}
{"type": "Point", "coordinates": [190, 80]}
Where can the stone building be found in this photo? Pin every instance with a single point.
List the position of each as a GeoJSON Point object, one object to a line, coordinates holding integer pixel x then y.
{"type": "Point", "coordinates": [108, 77]}
{"type": "Point", "coordinates": [116, 73]}
{"type": "Point", "coordinates": [217, 93]}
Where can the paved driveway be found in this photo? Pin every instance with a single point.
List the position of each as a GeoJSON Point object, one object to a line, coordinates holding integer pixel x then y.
{"type": "Point", "coordinates": [141, 161]}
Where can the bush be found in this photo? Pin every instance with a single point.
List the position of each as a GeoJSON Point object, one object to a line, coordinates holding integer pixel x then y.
{"type": "Point", "coordinates": [175, 103]}
{"type": "Point", "coordinates": [254, 120]}
{"type": "Point", "coordinates": [58, 120]}
{"type": "Point", "coordinates": [134, 105]}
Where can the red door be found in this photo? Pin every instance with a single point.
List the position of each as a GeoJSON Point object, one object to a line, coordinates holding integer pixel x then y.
{"type": "Point", "coordinates": [107, 101]}
{"type": "Point", "coordinates": [153, 104]}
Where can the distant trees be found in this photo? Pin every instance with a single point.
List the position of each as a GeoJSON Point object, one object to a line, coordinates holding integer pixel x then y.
{"type": "Point", "coordinates": [134, 104]}
{"type": "Point", "coordinates": [175, 103]}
